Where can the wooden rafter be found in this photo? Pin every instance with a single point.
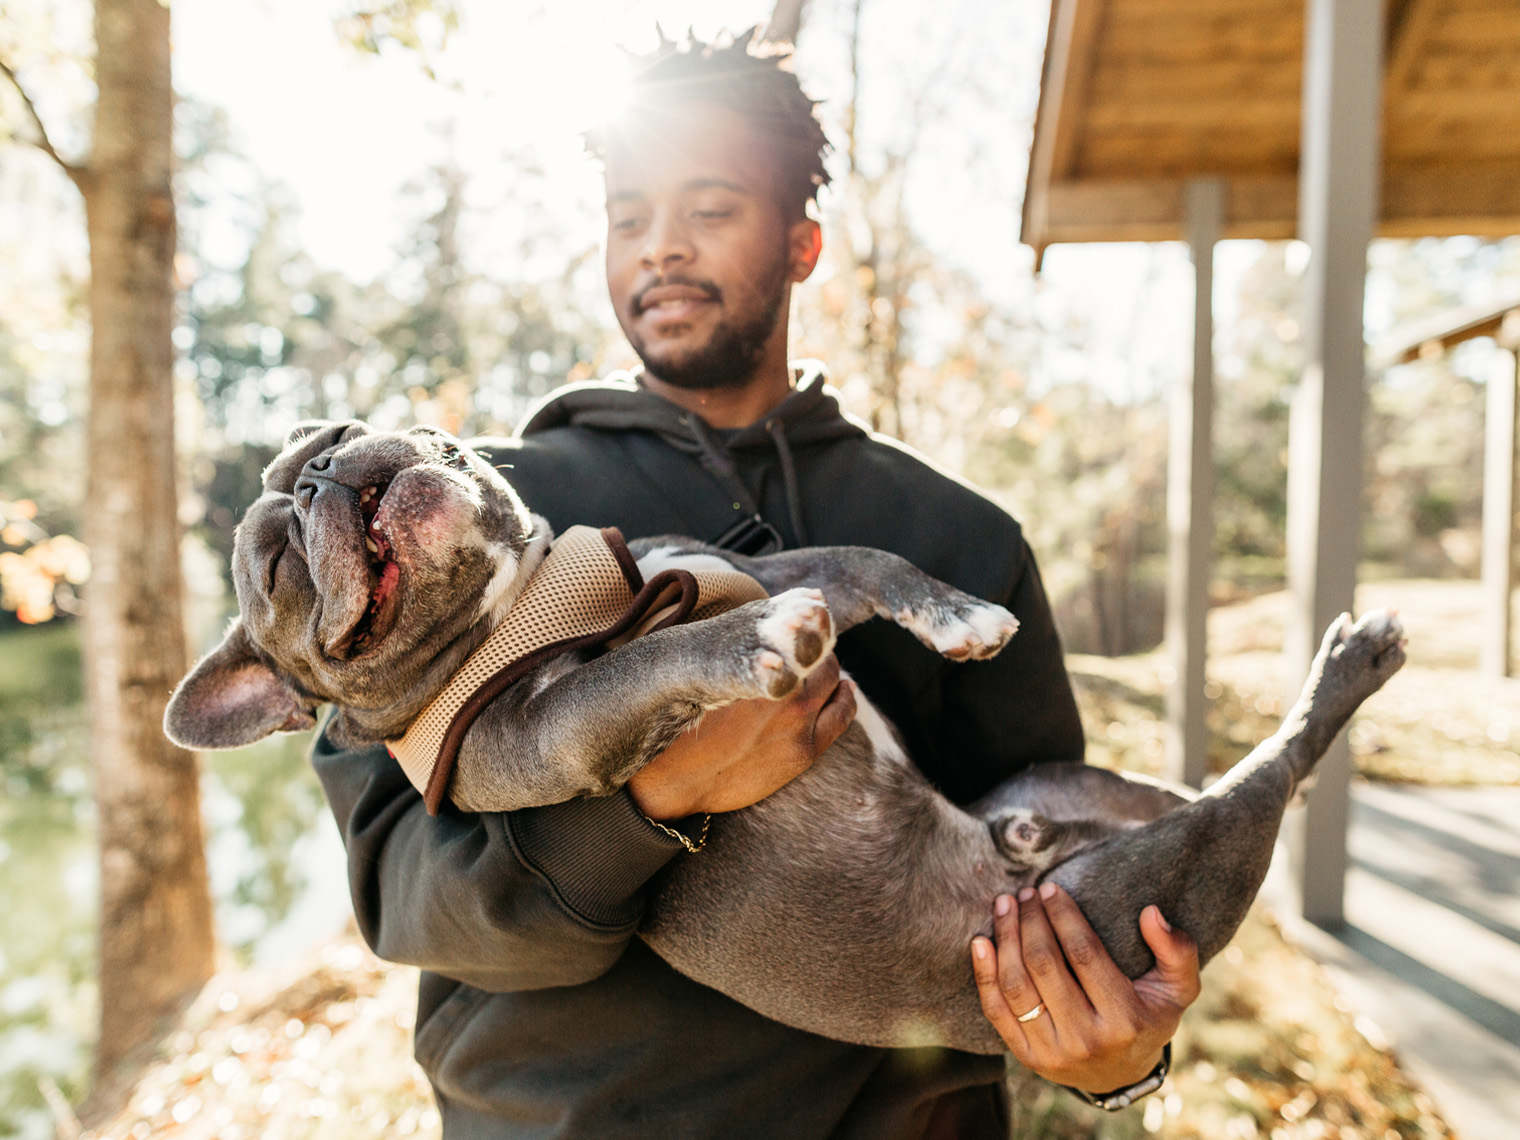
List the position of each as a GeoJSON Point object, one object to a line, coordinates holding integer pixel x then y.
{"type": "Point", "coordinates": [1069, 46]}
{"type": "Point", "coordinates": [1410, 24]}
{"type": "Point", "coordinates": [785, 22]}
{"type": "Point", "coordinates": [1477, 199]}
{"type": "Point", "coordinates": [1081, 57]}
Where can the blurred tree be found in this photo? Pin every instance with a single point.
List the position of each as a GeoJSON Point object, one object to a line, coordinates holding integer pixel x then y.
{"type": "Point", "coordinates": [1259, 359]}
{"type": "Point", "coordinates": [269, 338]}
{"type": "Point", "coordinates": [1425, 472]}
{"type": "Point", "coordinates": [156, 938]}
{"type": "Point", "coordinates": [39, 572]}
{"type": "Point", "coordinates": [39, 435]}
{"type": "Point", "coordinates": [422, 26]}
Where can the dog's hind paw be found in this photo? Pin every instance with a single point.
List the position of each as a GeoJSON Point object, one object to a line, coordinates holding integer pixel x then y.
{"type": "Point", "coordinates": [1372, 648]}
{"type": "Point", "coordinates": [961, 628]}
{"type": "Point", "coordinates": [795, 634]}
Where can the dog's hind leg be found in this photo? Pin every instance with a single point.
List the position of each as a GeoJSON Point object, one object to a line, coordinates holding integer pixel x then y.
{"type": "Point", "coordinates": [1203, 862]}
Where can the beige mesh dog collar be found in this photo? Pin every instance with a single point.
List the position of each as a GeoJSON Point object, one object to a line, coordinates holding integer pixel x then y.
{"type": "Point", "coordinates": [587, 593]}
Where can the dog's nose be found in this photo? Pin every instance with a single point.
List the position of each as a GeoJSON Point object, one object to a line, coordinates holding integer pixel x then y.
{"type": "Point", "coordinates": [311, 479]}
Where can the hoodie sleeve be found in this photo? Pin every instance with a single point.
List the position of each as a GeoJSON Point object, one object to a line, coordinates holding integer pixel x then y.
{"type": "Point", "coordinates": [1018, 707]}
{"type": "Point", "coordinates": [509, 901]}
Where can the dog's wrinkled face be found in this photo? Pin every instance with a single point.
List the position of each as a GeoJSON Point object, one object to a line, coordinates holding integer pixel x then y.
{"type": "Point", "coordinates": [361, 573]}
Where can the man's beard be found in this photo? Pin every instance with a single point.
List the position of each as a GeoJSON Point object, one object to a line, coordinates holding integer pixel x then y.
{"type": "Point", "coordinates": [732, 354]}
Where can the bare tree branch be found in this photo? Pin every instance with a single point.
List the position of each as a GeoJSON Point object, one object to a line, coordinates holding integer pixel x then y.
{"type": "Point", "coordinates": [41, 142]}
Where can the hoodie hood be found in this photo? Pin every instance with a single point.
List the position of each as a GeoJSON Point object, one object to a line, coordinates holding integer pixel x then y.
{"type": "Point", "coordinates": [810, 414]}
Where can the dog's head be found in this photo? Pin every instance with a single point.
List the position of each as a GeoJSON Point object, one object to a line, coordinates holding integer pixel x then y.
{"type": "Point", "coordinates": [371, 565]}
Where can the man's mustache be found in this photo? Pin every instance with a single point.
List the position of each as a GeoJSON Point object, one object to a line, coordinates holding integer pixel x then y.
{"type": "Point", "coordinates": [708, 287]}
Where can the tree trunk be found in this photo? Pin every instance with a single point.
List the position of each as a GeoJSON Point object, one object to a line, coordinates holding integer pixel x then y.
{"type": "Point", "coordinates": [156, 938]}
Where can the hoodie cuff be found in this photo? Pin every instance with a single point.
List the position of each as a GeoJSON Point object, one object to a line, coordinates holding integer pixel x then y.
{"type": "Point", "coordinates": [597, 854]}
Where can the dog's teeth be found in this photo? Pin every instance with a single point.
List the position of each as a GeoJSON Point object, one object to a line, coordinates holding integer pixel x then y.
{"type": "Point", "coordinates": [373, 548]}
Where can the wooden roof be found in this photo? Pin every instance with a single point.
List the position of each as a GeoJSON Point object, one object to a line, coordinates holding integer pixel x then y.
{"type": "Point", "coordinates": [1139, 96]}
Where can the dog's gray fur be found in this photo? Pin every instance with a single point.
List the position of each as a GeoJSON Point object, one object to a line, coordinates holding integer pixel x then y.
{"type": "Point", "coordinates": [844, 903]}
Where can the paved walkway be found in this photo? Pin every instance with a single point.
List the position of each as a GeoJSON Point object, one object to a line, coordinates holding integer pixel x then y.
{"type": "Point", "coordinates": [1430, 953]}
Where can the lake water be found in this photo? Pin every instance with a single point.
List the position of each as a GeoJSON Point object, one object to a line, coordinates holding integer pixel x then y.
{"type": "Point", "coordinates": [276, 866]}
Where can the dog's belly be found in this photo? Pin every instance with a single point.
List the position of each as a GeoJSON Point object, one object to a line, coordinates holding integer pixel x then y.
{"type": "Point", "coordinates": [843, 904]}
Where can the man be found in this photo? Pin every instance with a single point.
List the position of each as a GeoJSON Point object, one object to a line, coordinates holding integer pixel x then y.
{"type": "Point", "coordinates": [540, 1014]}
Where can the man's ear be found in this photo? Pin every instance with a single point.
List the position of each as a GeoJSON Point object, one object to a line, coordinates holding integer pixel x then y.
{"type": "Point", "coordinates": [804, 243]}
{"type": "Point", "coordinates": [231, 698]}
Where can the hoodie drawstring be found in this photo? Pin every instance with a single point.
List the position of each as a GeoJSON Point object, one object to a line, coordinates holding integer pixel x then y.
{"type": "Point", "coordinates": [716, 458]}
{"type": "Point", "coordinates": [777, 431]}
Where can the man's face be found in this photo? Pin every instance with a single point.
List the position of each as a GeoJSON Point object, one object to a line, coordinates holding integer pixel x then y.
{"type": "Point", "coordinates": [700, 258]}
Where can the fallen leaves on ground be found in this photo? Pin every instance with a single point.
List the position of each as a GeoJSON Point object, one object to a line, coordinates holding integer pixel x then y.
{"type": "Point", "coordinates": [328, 1054]}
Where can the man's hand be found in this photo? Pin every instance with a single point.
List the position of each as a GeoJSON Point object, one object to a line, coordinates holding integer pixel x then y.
{"type": "Point", "coordinates": [1098, 1031]}
{"type": "Point", "coordinates": [741, 753]}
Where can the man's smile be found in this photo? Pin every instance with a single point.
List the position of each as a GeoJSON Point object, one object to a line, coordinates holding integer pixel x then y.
{"type": "Point", "coordinates": [675, 300]}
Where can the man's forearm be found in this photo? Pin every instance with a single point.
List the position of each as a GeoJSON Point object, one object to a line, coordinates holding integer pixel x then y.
{"type": "Point", "coordinates": [527, 900]}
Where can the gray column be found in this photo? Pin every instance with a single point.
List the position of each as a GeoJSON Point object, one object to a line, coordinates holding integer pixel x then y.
{"type": "Point", "coordinates": [1190, 501]}
{"type": "Point", "coordinates": [1499, 513]}
{"type": "Point", "coordinates": [1338, 206]}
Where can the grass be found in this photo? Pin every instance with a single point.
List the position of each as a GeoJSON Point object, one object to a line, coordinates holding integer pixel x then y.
{"type": "Point", "coordinates": [41, 663]}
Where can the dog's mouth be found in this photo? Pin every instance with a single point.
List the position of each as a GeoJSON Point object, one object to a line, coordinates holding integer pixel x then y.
{"type": "Point", "coordinates": [384, 573]}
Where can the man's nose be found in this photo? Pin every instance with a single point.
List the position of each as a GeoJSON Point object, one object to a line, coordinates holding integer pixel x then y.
{"type": "Point", "coordinates": [666, 243]}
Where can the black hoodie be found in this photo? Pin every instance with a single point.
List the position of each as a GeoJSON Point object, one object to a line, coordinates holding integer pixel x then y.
{"type": "Point", "coordinates": [540, 1014]}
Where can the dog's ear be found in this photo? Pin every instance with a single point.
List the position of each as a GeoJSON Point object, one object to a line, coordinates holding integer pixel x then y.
{"type": "Point", "coordinates": [231, 698]}
{"type": "Point", "coordinates": [306, 441]}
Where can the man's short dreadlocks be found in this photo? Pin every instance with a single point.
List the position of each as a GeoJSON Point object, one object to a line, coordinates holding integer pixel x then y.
{"type": "Point", "coordinates": [738, 75]}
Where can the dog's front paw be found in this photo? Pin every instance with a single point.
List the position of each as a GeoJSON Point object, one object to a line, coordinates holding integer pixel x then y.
{"type": "Point", "coordinates": [795, 633]}
{"type": "Point", "coordinates": [961, 628]}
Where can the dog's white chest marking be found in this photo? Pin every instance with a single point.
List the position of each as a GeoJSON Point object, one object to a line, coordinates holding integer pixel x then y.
{"type": "Point", "coordinates": [674, 558]}
{"type": "Point", "coordinates": [512, 572]}
{"type": "Point", "coordinates": [883, 738]}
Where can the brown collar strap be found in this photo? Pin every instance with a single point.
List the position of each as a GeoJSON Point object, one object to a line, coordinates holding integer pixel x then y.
{"type": "Point", "coordinates": [586, 594]}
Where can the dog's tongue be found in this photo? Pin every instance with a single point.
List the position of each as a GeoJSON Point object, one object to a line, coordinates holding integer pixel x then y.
{"type": "Point", "coordinates": [385, 587]}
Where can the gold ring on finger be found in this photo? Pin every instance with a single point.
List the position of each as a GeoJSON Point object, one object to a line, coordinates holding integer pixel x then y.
{"type": "Point", "coordinates": [1033, 1013]}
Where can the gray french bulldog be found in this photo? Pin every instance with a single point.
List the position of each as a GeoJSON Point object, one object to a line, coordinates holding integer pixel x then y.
{"type": "Point", "coordinates": [374, 563]}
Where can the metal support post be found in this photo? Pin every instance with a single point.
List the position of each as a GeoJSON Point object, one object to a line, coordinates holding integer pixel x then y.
{"type": "Point", "coordinates": [1338, 206]}
{"type": "Point", "coordinates": [1190, 501]}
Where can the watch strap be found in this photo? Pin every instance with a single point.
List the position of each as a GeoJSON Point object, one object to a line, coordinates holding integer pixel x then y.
{"type": "Point", "coordinates": [1123, 1098]}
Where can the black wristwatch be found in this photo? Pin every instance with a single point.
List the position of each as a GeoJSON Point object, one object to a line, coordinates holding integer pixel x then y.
{"type": "Point", "coordinates": [1123, 1098]}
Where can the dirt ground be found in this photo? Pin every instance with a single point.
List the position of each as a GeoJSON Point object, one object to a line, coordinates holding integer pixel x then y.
{"type": "Point", "coordinates": [1270, 1052]}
